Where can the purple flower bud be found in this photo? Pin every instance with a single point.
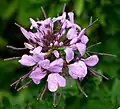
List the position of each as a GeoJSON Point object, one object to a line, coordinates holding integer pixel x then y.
{"type": "Point", "coordinates": [51, 44]}
{"type": "Point", "coordinates": [61, 44]}
{"type": "Point", "coordinates": [56, 43]}
{"type": "Point", "coordinates": [56, 53]}
{"type": "Point", "coordinates": [27, 45]}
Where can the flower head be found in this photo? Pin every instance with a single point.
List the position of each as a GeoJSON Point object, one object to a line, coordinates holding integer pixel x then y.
{"type": "Point", "coordinates": [57, 51]}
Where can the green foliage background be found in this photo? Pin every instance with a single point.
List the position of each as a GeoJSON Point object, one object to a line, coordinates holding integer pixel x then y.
{"type": "Point", "coordinates": [103, 94]}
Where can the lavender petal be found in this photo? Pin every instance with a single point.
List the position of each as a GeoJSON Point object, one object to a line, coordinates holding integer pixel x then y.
{"type": "Point", "coordinates": [81, 48]}
{"type": "Point", "coordinates": [84, 39]}
{"type": "Point", "coordinates": [69, 54]}
{"type": "Point", "coordinates": [92, 60]}
{"type": "Point", "coordinates": [37, 75]}
{"type": "Point", "coordinates": [27, 60]}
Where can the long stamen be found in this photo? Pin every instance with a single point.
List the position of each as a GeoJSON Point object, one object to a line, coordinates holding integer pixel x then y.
{"type": "Point", "coordinates": [54, 99]}
{"type": "Point", "coordinates": [61, 91]}
{"type": "Point", "coordinates": [104, 54]}
{"type": "Point", "coordinates": [93, 71]}
{"type": "Point", "coordinates": [43, 91]}
{"type": "Point", "coordinates": [20, 79]}
{"type": "Point", "coordinates": [15, 48]}
{"type": "Point", "coordinates": [64, 8]}
{"type": "Point", "coordinates": [17, 25]}
{"type": "Point", "coordinates": [25, 85]}
{"type": "Point", "coordinates": [69, 81]}
{"type": "Point", "coordinates": [13, 58]}
{"type": "Point", "coordinates": [103, 76]}
{"type": "Point", "coordinates": [44, 13]}
{"type": "Point", "coordinates": [81, 88]}
{"type": "Point", "coordinates": [91, 24]}
{"type": "Point", "coordinates": [94, 45]}
{"type": "Point", "coordinates": [90, 20]}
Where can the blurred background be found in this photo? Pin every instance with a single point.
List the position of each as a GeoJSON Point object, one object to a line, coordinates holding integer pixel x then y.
{"type": "Point", "coordinates": [103, 94]}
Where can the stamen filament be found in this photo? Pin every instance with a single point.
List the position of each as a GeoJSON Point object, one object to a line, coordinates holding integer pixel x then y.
{"type": "Point", "coordinates": [81, 88]}
{"type": "Point", "coordinates": [104, 54]}
{"type": "Point", "coordinates": [15, 48]}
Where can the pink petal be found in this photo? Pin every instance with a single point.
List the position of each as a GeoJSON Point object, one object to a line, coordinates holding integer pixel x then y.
{"type": "Point", "coordinates": [34, 23]}
{"type": "Point", "coordinates": [56, 66]}
{"type": "Point", "coordinates": [84, 39]}
{"type": "Point", "coordinates": [32, 36]}
{"type": "Point", "coordinates": [73, 47]}
{"type": "Point", "coordinates": [57, 62]}
{"type": "Point", "coordinates": [46, 21]}
{"type": "Point", "coordinates": [69, 54]}
{"type": "Point", "coordinates": [27, 60]}
{"type": "Point", "coordinates": [55, 69]}
{"type": "Point", "coordinates": [37, 75]}
{"type": "Point", "coordinates": [52, 86]}
{"type": "Point", "coordinates": [52, 82]}
{"type": "Point", "coordinates": [63, 17]}
{"type": "Point", "coordinates": [61, 80]}
{"type": "Point", "coordinates": [36, 81]}
{"type": "Point", "coordinates": [72, 33]}
{"type": "Point", "coordinates": [69, 24]}
{"type": "Point", "coordinates": [36, 50]}
{"type": "Point", "coordinates": [25, 33]}
{"type": "Point", "coordinates": [71, 16]}
{"type": "Point", "coordinates": [82, 32]}
{"type": "Point", "coordinates": [73, 41]}
{"type": "Point", "coordinates": [38, 57]}
{"type": "Point", "coordinates": [92, 60]}
{"type": "Point", "coordinates": [81, 48]}
{"type": "Point", "coordinates": [56, 53]}
{"type": "Point", "coordinates": [44, 64]}
{"type": "Point", "coordinates": [77, 70]}
{"type": "Point", "coordinates": [29, 46]}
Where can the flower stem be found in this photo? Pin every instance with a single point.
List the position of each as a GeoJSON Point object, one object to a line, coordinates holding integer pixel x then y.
{"type": "Point", "coordinates": [81, 88]}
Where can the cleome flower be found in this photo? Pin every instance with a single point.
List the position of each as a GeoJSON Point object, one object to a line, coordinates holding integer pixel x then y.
{"type": "Point", "coordinates": [57, 49]}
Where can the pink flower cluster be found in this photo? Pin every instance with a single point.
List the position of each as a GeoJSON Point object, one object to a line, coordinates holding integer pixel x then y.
{"type": "Point", "coordinates": [57, 49]}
